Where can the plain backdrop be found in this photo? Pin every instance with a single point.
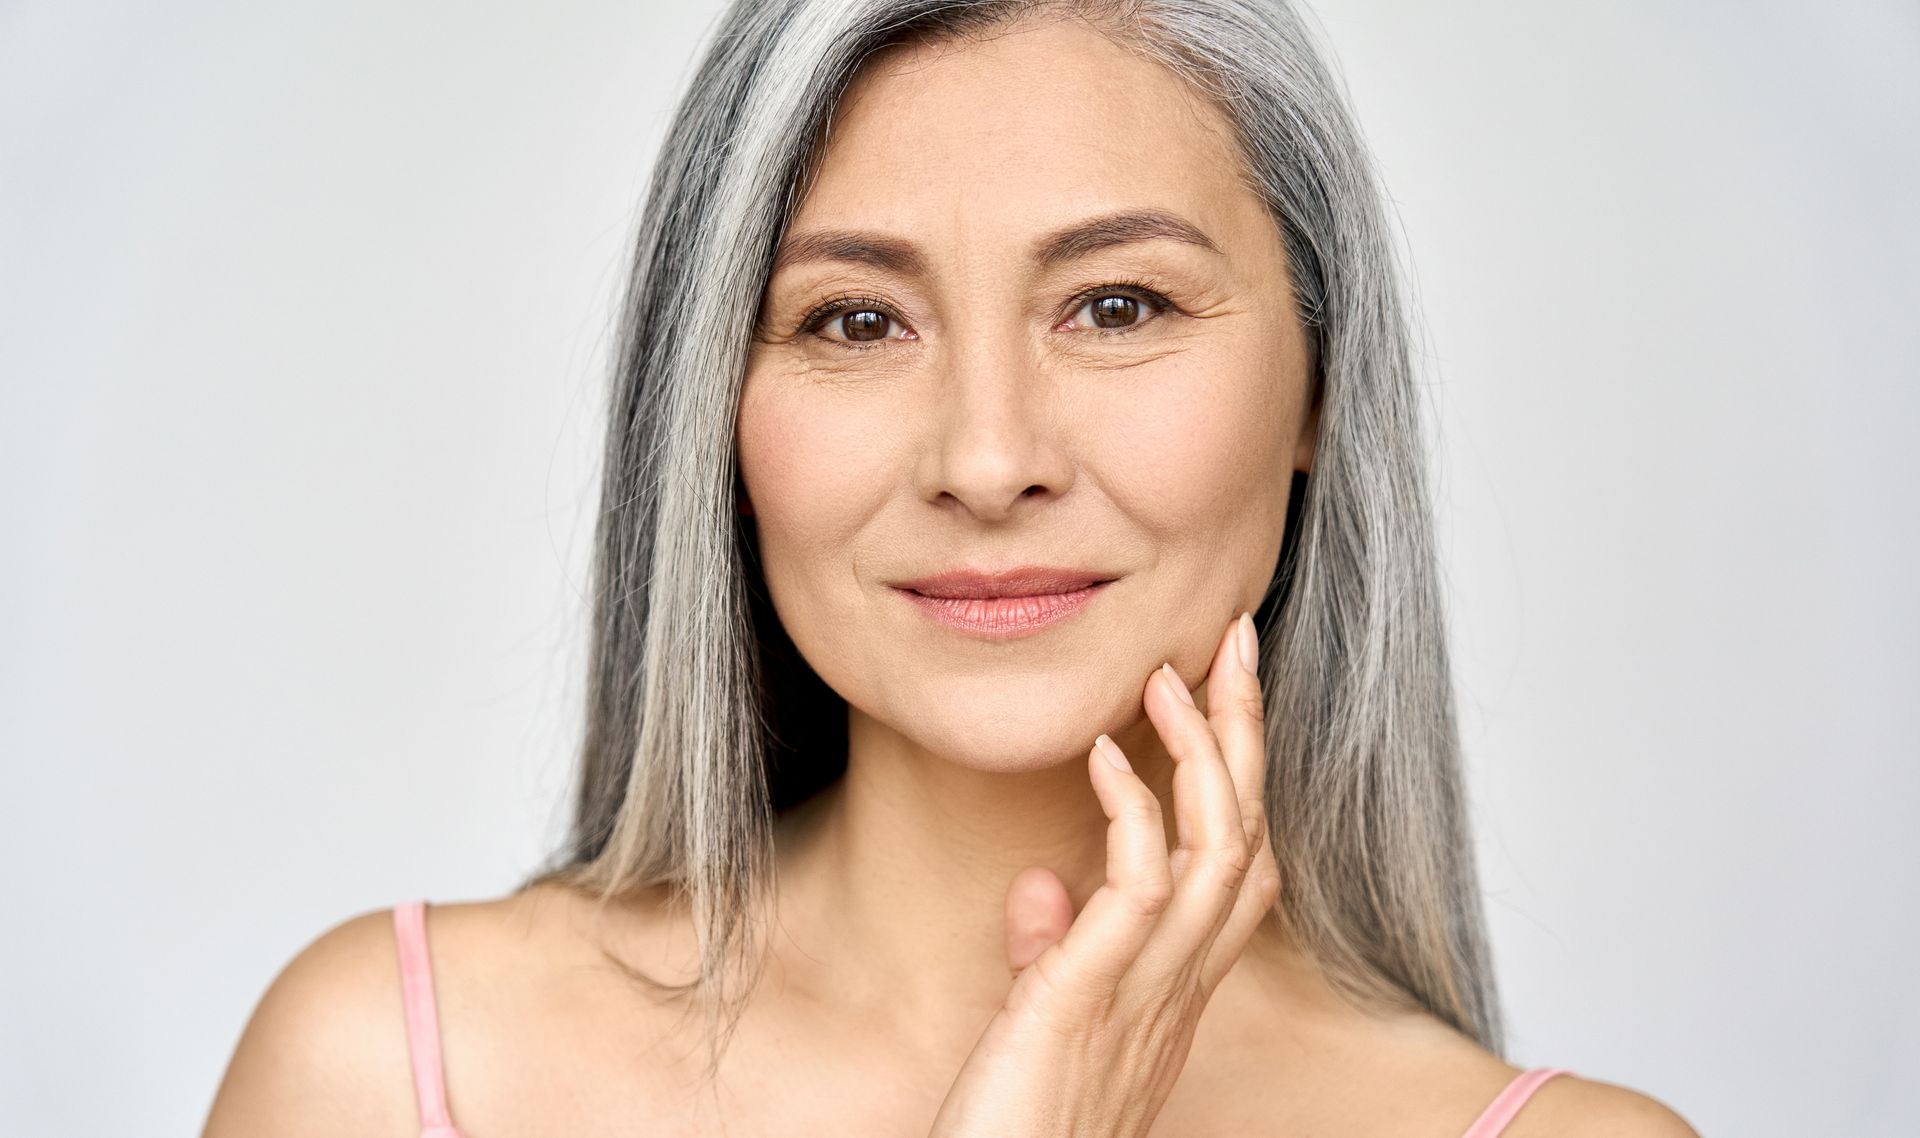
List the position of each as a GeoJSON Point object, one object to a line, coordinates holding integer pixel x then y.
{"type": "Point", "coordinates": [304, 310]}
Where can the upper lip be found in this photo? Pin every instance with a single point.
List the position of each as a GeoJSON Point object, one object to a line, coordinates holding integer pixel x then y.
{"type": "Point", "coordinates": [1021, 581]}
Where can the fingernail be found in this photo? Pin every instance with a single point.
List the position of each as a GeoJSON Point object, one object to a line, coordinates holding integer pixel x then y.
{"type": "Point", "coordinates": [1249, 644]}
{"type": "Point", "coordinates": [1110, 751]}
{"type": "Point", "coordinates": [1179, 685]}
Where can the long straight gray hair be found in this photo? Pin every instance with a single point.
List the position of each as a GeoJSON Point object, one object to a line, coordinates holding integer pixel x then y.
{"type": "Point", "coordinates": [703, 722]}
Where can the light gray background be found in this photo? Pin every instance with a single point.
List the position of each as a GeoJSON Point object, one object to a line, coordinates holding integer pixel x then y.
{"type": "Point", "coordinates": [303, 318]}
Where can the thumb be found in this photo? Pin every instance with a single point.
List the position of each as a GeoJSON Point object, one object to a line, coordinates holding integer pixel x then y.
{"type": "Point", "coordinates": [1039, 913]}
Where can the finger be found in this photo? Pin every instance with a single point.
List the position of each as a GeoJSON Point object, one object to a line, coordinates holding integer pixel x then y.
{"type": "Point", "coordinates": [1214, 853]}
{"type": "Point", "coordinates": [1205, 810]}
{"type": "Point", "coordinates": [1038, 914]}
{"type": "Point", "coordinates": [1116, 921]}
{"type": "Point", "coordinates": [1236, 710]}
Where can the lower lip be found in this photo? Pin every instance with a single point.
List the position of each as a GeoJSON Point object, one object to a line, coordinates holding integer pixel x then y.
{"type": "Point", "coordinates": [1003, 618]}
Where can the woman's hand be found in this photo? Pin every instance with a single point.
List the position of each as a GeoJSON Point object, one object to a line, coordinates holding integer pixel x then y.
{"type": "Point", "coordinates": [1097, 1025]}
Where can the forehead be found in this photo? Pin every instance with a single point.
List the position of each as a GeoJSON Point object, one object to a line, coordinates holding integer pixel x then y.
{"type": "Point", "coordinates": [1020, 131]}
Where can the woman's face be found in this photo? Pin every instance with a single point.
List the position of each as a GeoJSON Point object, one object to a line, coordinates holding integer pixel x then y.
{"type": "Point", "coordinates": [986, 393]}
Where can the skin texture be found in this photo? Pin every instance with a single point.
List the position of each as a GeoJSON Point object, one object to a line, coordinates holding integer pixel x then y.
{"type": "Point", "coordinates": [987, 418]}
{"type": "Point", "coordinates": [999, 425]}
{"type": "Point", "coordinates": [992, 428]}
{"type": "Point", "coordinates": [1097, 1026]}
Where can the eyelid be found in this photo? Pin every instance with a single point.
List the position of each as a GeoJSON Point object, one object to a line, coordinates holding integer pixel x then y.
{"type": "Point", "coordinates": [827, 311]}
{"type": "Point", "coordinates": [1137, 289]}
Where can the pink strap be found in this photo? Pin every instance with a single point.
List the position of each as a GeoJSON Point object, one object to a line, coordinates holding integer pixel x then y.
{"type": "Point", "coordinates": [423, 1019]}
{"type": "Point", "coordinates": [1508, 1102]}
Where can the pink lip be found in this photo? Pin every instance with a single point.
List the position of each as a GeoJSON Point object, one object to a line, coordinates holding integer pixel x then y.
{"type": "Point", "coordinates": [1013, 603]}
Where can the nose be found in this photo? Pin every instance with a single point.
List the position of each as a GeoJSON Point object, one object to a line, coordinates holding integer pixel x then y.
{"type": "Point", "coordinates": [998, 431]}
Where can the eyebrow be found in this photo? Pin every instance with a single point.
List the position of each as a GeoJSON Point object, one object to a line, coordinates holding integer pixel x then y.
{"type": "Point", "coordinates": [894, 255]}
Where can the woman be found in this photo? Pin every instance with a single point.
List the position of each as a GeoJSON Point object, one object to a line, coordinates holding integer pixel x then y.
{"type": "Point", "coordinates": [1019, 701]}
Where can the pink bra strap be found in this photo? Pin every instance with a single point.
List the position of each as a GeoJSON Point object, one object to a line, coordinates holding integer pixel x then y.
{"type": "Point", "coordinates": [423, 1018]}
{"type": "Point", "coordinates": [1508, 1102]}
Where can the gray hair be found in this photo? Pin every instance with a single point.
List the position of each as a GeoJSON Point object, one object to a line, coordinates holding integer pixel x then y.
{"type": "Point", "coordinates": [703, 722]}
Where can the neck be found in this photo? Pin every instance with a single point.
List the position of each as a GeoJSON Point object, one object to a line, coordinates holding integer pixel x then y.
{"type": "Point", "coordinates": [893, 881]}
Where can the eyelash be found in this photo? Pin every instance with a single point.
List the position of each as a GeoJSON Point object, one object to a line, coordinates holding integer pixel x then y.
{"type": "Point", "coordinates": [840, 306]}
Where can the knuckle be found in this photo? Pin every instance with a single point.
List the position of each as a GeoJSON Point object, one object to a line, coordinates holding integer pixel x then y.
{"type": "Point", "coordinates": [1143, 811]}
{"type": "Point", "coordinates": [1253, 821]}
{"type": "Point", "coordinates": [1230, 864]}
{"type": "Point", "coordinates": [1254, 706]}
{"type": "Point", "coordinates": [1150, 897]}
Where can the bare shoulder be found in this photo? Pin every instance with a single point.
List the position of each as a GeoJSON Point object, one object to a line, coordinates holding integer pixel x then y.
{"type": "Point", "coordinates": [539, 993]}
{"type": "Point", "coordinates": [1567, 1106]}
{"type": "Point", "coordinates": [324, 1052]}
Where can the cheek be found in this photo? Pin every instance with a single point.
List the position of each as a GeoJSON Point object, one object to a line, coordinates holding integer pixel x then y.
{"type": "Point", "coordinates": [1208, 451]}
{"type": "Point", "coordinates": [817, 469]}
{"type": "Point", "coordinates": [811, 470]}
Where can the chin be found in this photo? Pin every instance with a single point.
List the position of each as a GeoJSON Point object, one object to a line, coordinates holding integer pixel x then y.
{"type": "Point", "coordinates": [997, 739]}
{"type": "Point", "coordinates": [1006, 718]}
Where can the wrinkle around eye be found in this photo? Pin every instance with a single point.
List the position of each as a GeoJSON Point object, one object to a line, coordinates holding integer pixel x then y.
{"type": "Point", "coordinates": [791, 320]}
{"type": "Point", "coordinates": [1175, 302]}
{"type": "Point", "coordinates": [1097, 358]}
{"type": "Point", "coordinates": [831, 327]}
{"type": "Point", "coordinates": [1150, 312]}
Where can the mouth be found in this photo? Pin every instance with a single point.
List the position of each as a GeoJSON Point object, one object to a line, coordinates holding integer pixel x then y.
{"type": "Point", "coordinates": [1024, 581]}
{"type": "Point", "coordinates": [1007, 605]}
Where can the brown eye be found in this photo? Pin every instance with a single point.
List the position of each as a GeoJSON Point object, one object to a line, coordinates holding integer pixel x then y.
{"type": "Point", "coordinates": [853, 320]}
{"type": "Point", "coordinates": [865, 324]}
{"type": "Point", "coordinates": [1115, 311]}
